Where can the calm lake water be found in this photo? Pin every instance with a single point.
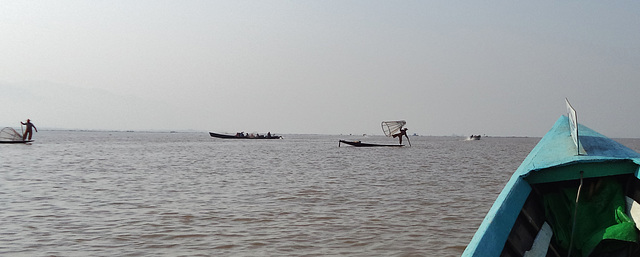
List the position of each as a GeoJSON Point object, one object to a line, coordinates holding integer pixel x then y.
{"type": "Point", "coordinates": [186, 194]}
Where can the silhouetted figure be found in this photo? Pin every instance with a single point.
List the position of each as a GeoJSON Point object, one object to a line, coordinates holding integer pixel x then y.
{"type": "Point", "coordinates": [403, 132]}
{"type": "Point", "coordinates": [29, 130]}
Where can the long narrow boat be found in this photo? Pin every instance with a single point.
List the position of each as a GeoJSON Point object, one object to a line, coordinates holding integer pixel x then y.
{"type": "Point", "coordinates": [16, 142]}
{"type": "Point", "coordinates": [575, 194]}
{"type": "Point", "coordinates": [224, 136]}
{"type": "Point", "coordinates": [361, 144]}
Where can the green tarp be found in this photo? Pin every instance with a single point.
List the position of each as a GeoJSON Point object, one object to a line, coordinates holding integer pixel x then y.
{"type": "Point", "coordinates": [601, 224]}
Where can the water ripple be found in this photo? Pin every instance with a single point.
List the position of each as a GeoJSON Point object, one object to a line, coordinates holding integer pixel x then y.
{"type": "Point", "coordinates": [186, 194]}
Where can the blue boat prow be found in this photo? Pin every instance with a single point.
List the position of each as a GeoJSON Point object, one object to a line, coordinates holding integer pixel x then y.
{"type": "Point", "coordinates": [555, 158]}
{"type": "Point", "coordinates": [556, 148]}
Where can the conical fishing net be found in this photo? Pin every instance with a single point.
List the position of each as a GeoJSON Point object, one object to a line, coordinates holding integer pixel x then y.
{"type": "Point", "coordinates": [391, 127]}
{"type": "Point", "coordinates": [10, 134]}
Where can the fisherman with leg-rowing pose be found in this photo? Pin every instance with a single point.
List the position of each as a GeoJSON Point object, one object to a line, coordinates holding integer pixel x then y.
{"type": "Point", "coordinates": [403, 132]}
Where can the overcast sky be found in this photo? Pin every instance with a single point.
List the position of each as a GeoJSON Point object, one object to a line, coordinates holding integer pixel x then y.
{"type": "Point", "coordinates": [500, 68]}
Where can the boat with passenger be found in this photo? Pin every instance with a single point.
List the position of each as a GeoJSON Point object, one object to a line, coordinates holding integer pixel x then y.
{"type": "Point", "coordinates": [391, 129]}
{"type": "Point", "coordinates": [242, 135]}
{"type": "Point", "coordinates": [474, 137]}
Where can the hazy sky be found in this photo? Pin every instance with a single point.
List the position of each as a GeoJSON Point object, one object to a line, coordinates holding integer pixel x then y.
{"type": "Point", "coordinates": [327, 67]}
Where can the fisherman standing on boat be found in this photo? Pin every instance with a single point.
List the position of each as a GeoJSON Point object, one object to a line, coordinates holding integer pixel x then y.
{"type": "Point", "coordinates": [29, 130]}
{"type": "Point", "coordinates": [403, 132]}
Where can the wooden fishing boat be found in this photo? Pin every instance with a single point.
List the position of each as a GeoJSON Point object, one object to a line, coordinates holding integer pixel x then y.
{"type": "Point", "coordinates": [225, 136]}
{"type": "Point", "coordinates": [9, 135]}
{"type": "Point", "coordinates": [361, 144]}
{"type": "Point", "coordinates": [16, 142]}
{"type": "Point", "coordinates": [575, 194]}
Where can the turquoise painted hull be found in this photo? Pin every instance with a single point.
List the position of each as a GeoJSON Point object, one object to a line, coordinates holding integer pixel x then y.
{"type": "Point", "coordinates": [555, 159]}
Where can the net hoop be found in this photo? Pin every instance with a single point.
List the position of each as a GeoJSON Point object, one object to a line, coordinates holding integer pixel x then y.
{"type": "Point", "coordinates": [391, 127]}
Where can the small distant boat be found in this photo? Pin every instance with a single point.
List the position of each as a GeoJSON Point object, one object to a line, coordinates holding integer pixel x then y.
{"type": "Point", "coordinates": [575, 194]}
{"type": "Point", "coordinates": [361, 144]}
{"type": "Point", "coordinates": [474, 137]}
{"type": "Point", "coordinates": [243, 136]}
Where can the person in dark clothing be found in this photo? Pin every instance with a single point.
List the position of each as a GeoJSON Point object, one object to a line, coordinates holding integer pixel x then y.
{"type": "Point", "coordinates": [29, 131]}
{"type": "Point", "coordinates": [403, 132]}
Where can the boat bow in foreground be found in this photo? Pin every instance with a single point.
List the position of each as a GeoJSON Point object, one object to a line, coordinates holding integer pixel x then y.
{"type": "Point", "coordinates": [534, 214]}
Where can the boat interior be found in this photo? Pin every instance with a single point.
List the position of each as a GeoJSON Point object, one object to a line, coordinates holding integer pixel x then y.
{"type": "Point", "coordinates": [533, 230]}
